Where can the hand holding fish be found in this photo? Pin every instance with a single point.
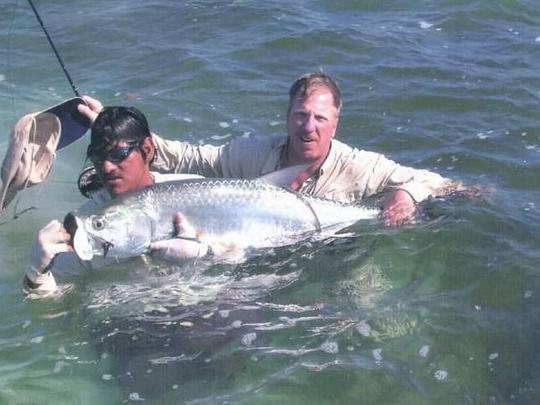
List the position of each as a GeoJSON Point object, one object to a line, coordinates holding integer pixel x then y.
{"type": "Point", "coordinates": [50, 240]}
{"type": "Point", "coordinates": [398, 208]}
{"type": "Point", "coordinates": [184, 246]}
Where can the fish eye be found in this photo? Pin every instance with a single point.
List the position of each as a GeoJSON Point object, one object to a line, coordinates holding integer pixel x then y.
{"type": "Point", "coordinates": [98, 223]}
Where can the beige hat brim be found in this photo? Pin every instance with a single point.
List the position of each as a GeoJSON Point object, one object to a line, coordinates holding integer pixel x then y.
{"type": "Point", "coordinates": [33, 144]}
{"type": "Point", "coordinates": [30, 154]}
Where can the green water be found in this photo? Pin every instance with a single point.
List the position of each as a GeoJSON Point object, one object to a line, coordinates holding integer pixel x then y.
{"type": "Point", "coordinates": [442, 312]}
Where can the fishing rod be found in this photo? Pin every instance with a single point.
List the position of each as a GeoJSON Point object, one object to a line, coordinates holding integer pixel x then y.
{"type": "Point", "coordinates": [54, 48]}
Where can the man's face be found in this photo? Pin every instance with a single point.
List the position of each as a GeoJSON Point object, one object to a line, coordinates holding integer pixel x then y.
{"type": "Point", "coordinates": [311, 125]}
{"type": "Point", "coordinates": [122, 167]}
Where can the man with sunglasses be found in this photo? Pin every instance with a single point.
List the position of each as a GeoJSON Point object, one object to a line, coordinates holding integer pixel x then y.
{"type": "Point", "coordinates": [121, 150]}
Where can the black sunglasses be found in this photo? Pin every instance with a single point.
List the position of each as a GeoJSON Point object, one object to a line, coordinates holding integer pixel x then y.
{"type": "Point", "coordinates": [114, 155]}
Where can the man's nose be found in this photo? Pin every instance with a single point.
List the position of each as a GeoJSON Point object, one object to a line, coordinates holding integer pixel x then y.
{"type": "Point", "coordinates": [309, 124]}
{"type": "Point", "coordinates": [107, 166]}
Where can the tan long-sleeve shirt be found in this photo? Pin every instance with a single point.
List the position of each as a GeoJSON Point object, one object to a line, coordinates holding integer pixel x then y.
{"type": "Point", "coordinates": [348, 174]}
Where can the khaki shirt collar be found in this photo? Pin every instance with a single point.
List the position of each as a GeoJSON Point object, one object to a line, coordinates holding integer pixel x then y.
{"type": "Point", "coordinates": [278, 157]}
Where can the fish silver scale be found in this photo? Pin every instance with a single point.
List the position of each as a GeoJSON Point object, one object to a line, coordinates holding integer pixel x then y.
{"type": "Point", "coordinates": [257, 212]}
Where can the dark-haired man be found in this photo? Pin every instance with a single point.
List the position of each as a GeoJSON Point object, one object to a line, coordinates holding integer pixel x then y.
{"type": "Point", "coordinates": [121, 150]}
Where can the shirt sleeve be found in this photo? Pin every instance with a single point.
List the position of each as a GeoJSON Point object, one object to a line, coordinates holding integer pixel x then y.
{"type": "Point", "coordinates": [385, 174]}
{"type": "Point", "coordinates": [240, 158]}
{"type": "Point", "coordinates": [352, 175]}
{"type": "Point", "coordinates": [183, 157]}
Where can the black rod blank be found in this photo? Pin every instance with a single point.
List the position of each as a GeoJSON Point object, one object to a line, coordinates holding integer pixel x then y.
{"type": "Point", "coordinates": [54, 48]}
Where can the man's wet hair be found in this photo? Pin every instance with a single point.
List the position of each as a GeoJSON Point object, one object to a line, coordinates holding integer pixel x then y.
{"type": "Point", "coordinates": [114, 124]}
{"type": "Point", "coordinates": [309, 82]}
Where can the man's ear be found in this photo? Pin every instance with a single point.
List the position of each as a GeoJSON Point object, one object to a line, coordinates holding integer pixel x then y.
{"type": "Point", "coordinates": [336, 128]}
{"type": "Point", "coordinates": [148, 147]}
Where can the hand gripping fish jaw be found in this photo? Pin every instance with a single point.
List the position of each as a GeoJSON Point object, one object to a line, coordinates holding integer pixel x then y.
{"type": "Point", "coordinates": [79, 238]}
{"type": "Point", "coordinates": [114, 234]}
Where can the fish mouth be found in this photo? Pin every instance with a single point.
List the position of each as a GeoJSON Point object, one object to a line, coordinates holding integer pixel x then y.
{"type": "Point", "coordinates": [80, 240]}
{"type": "Point", "coordinates": [70, 223]}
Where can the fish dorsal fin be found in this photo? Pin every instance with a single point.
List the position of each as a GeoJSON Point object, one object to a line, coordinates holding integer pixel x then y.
{"type": "Point", "coordinates": [285, 177]}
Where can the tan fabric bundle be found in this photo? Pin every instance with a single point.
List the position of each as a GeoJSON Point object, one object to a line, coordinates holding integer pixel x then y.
{"type": "Point", "coordinates": [30, 154]}
{"type": "Point", "coordinates": [33, 144]}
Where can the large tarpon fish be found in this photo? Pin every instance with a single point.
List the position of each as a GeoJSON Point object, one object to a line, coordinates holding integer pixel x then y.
{"type": "Point", "coordinates": [243, 213]}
